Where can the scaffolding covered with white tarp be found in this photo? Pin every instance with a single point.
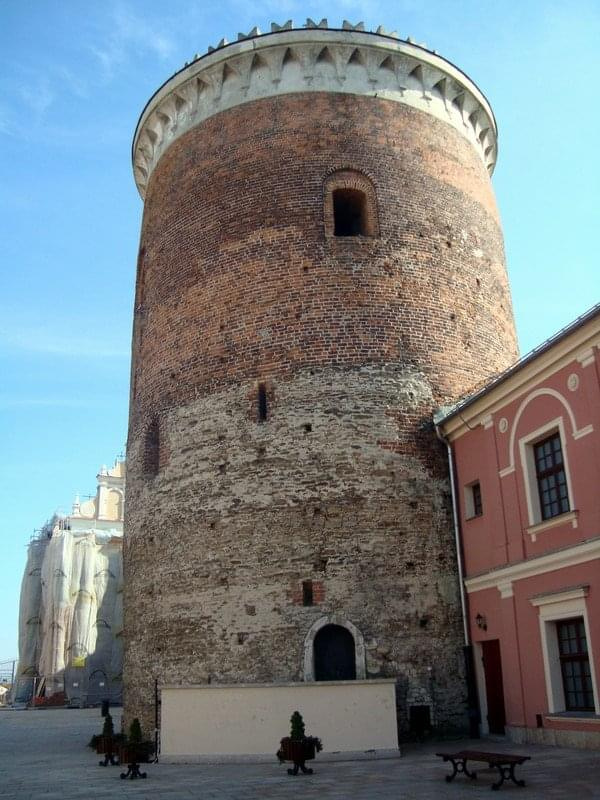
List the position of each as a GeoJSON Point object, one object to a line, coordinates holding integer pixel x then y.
{"type": "Point", "coordinates": [71, 611]}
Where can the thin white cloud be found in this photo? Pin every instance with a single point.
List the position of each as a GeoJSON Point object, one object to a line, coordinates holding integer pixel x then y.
{"type": "Point", "coordinates": [32, 93]}
{"type": "Point", "coordinates": [74, 82]}
{"type": "Point", "coordinates": [36, 88]}
{"type": "Point", "coordinates": [46, 342]}
{"type": "Point", "coordinates": [6, 126]}
{"type": "Point", "coordinates": [279, 8]}
{"type": "Point", "coordinates": [371, 12]}
{"type": "Point", "coordinates": [130, 35]}
{"type": "Point", "coordinates": [68, 400]}
{"type": "Point", "coordinates": [39, 96]}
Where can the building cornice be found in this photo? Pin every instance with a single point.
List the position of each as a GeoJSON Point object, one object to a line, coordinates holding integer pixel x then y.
{"type": "Point", "coordinates": [502, 578]}
{"type": "Point", "coordinates": [313, 59]}
{"type": "Point", "coordinates": [560, 596]}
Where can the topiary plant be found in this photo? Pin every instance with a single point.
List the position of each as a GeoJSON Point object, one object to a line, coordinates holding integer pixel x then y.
{"type": "Point", "coordinates": [298, 747]}
{"type": "Point", "coordinates": [135, 732]}
{"type": "Point", "coordinates": [297, 732]}
{"type": "Point", "coordinates": [108, 729]}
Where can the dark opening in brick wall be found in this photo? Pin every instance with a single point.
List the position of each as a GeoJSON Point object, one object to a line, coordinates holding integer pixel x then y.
{"type": "Point", "coordinates": [307, 593]}
{"type": "Point", "coordinates": [151, 460]}
{"type": "Point", "coordinates": [349, 212]}
{"type": "Point", "coordinates": [141, 278]}
{"type": "Point", "coordinates": [262, 402]}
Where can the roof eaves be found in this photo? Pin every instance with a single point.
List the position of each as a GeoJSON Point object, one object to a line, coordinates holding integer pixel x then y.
{"type": "Point", "coordinates": [444, 413]}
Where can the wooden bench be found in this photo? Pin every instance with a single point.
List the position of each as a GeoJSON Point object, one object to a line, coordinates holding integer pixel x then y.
{"type": "Point", "coordinates": [505, 763]}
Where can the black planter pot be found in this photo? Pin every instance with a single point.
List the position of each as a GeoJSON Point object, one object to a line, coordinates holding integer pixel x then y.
{"type": "Point", "coordinates": [298, 751]}
{"type": "Point", "coordinates": [107, 746]}
{"type": "Point", "coordinates": [133, 755]}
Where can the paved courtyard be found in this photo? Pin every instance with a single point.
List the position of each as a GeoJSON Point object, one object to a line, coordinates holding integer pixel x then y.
{"type": "Point", "coordinates": [43, 755]}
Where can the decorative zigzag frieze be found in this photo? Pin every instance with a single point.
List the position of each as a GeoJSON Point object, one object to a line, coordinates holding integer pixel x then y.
{"type": "Point", "coordinates": [311, 59]}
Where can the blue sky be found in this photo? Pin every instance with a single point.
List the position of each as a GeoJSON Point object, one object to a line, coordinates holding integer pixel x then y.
{"type": "Point", "coordinates": [74, 78]}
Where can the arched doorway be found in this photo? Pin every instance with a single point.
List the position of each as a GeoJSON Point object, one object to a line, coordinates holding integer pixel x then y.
{"type": "Point", "coordinates": [335, 654]}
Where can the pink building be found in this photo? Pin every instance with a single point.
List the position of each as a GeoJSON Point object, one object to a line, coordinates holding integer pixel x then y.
{"type": "Point", "coordinates": [526, 453]}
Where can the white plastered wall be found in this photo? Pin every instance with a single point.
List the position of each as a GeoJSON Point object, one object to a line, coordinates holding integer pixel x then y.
{"type": "Point", "coordinates": [250, 719]}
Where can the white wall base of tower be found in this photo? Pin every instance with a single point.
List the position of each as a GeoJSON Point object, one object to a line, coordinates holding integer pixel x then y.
{"type": "Point", "coordinates": [237, 722]}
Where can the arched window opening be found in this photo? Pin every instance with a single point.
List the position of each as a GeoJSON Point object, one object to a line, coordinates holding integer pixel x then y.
{"type": "Point", "coordinates": [334, 654]}
{"type": "Point", "coordinates": [113, 509]}
{"type": "Point", "coordinates": [349, 212]}
{"type": "Point", "coordinates": [350, 205]}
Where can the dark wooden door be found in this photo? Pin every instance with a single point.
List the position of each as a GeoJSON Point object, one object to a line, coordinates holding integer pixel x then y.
{"type": "Point", "coordinates": [335, 658]}
{"type": "Point", "coordinates": [494, 690]}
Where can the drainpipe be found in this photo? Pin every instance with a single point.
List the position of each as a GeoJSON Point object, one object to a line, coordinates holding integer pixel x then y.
{"type": "Point", "coordinates": [473, 698]}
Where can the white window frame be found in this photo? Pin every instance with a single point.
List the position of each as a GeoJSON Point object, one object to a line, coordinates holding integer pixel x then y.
{"type": "Point", "coordinates": [526, 445]}
{"type": "Point", "coordinates": [481, 690]}
{"type": "Point", "coordinates": [553, 608]}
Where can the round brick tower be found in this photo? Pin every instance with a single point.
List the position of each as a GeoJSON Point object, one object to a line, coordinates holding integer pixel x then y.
{"type": "Point", "coordinates": [321, 265]}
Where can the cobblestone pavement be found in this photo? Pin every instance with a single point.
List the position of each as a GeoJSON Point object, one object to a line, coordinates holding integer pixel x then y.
{"type": "Point", "coordinates": [43, 755]}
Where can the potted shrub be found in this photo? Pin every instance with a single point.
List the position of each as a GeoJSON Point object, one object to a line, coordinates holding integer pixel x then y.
{"type": "Point", "coordinates": [297, 747]}
{"type": "Point", "coordinates": [134, 750]}
{"type": "Point", "coordinates": [105, 743]}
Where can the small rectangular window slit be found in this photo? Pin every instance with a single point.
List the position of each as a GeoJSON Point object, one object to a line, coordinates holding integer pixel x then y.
{"type": "Point", "coordinates": [473, 500]}
{"type": "Point", "coordinates": [477, 504]}
{"type": "Point", "coordinates": [262, 402]}
{"type": "Point", "coordinates": [307, 593]}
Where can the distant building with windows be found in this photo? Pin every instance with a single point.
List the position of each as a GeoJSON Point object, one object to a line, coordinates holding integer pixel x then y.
{"type": "Point", "coordinates": [526, 454]}
{"type": "Point", "coordinates": [71, 610]}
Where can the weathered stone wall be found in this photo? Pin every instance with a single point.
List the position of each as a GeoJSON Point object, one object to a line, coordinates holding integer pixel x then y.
{"type": "Point", "coordinates": [355, 340]}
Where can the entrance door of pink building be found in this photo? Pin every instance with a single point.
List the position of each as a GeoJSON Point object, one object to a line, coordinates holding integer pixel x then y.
{"type": "Point", "coordinates": [494, 689]}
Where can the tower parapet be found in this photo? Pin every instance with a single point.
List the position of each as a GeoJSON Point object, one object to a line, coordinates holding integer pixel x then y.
{"type": "Point", "coordinates": [312, 59]}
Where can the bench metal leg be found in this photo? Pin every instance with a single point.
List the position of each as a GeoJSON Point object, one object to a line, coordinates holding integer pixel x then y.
{"type": "Point", "coordinates": [459, 765]}
{"type": "Point", "coordinates": [507, 773]}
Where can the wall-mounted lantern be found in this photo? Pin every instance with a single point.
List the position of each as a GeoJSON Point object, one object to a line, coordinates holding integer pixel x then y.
{"type": "Point", "coordinates": [481, 622]}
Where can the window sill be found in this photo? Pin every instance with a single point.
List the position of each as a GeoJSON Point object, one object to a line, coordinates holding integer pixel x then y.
{"type": "Point", "coordinates": [355, 237]}
{"type": "Point", "coordinates": [553, 522]}
{"type": "Point", "coordinates": [474, 516]}
{"type": "Point", "coordinates": [573, 716]}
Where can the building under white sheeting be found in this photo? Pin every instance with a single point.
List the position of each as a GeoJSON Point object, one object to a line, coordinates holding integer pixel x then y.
{"type": "Point", "coordinates": [71, 610]}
